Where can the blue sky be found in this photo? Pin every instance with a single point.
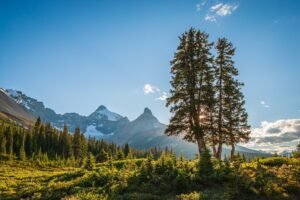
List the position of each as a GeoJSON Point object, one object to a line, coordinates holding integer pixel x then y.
{"type": "Point", "coordinates": [76, 55]}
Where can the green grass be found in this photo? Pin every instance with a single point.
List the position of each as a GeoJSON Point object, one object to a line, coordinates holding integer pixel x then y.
{"type": "Point", "coordinates": [266, 179]}
{"type": "Point", "coordinates": [21, 179]}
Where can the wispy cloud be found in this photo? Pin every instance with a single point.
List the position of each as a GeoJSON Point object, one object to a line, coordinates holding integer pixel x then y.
{"type": "Point", "coordinates": [277, 136]}
{"type": "Point", "coordinates": [264, 104]}
{"type": "Point", "coordinates": [163, 96]}
{"type": "Point", "coordinates": [210, 18]}
{"type": "Point", "coordinates": [223, 9]}
{"type": "Point", "coordinates": [216, 10]}
{"type": "Point", "coordinates": [154, 90]}
{"type": "Point", "coordinates": [148, 89]}
{"type": "Point", "coordinates": [200, 6]}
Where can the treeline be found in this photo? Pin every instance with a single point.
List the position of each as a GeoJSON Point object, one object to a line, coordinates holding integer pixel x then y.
{"type": "Point", "coordinates": [42, 142]}
{"type": "Point", "coordinates": [205, 96]}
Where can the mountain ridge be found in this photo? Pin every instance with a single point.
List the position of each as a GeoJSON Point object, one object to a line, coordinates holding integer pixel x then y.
{"type": "Point", "coordinates": [144, 132]}
{"type": "Point", "coordinates": [104, 121]}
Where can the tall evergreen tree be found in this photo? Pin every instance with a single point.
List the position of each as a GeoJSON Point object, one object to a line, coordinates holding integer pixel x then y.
{"type": "Point", "coordinates": [29, 143]}
{"type": "Point", "coordinates": [126, 150]}
{"type": "Point", "coordinates": [66, 143]}
{"type": "Point", "coordinates": [83, 146]}
{"type": "Point", "coordinates": [191, 81]}
{"type": "Point", "coordinates": [3, 140]}
{"type": "Point", "coordinates": [236, 117]}
{"type": "Point", "coordinates": [77, 143]}
{"type": "Point", "coordinates": [22, 153]}
{"type": "Point", "coordinates": [35, 136]}
{"type": "Point", "coordinates": [10, 142]}
{"type": "Point", "coordinates": [230, 111]}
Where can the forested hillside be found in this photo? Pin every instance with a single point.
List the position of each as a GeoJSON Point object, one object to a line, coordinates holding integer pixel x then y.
{"type": "Point", "coordinates": [43, 143]}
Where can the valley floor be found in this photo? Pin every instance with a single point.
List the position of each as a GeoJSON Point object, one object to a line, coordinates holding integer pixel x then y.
{"type": "Point", "coordinates": [270, 178]}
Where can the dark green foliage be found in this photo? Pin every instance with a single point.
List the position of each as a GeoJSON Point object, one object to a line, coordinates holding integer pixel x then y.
{"type": "Point", "coordinates": [191, 93]}
{"type": "Point", "coordinates": [126, 150]}
{"type": "Point", "coordinates": [205, 96]}
{"type": "Point", "coordinates": [44, 144]}
{"type": "Point", "coordinates": [232, 117]}
{"type": "Point", "coordinates": [22, 153]}
{"type": "Point", "coordinates": [77, 147]}
{"type": "Point", "coordinates": [205, 165]}
{"type": "Point", "coordinates": [66, 143]}
{"type": "Point", "coordinates": [10, 143]}
{"type": "Point", "coordinates": [3, 140]}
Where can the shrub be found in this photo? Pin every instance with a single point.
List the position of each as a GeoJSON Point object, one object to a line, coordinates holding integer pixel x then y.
{"type": "Point", "coordinates": [274, 161]}
{"type": "Point", "coordinates": [90, 163]}
{"type": "Point", "coordinates": [205, 165]}
{"type": "Point", "coordinates": [190, 196]}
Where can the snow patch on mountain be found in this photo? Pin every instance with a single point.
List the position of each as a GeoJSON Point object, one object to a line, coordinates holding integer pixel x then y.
{"type": "Point", "coordinates": [12, 93]}
{"type": "Point", "coordinates": [92, 131]}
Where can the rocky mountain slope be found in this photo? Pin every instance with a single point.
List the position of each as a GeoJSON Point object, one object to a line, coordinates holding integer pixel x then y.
{"type": "Point", "coordinates": [11, 110]}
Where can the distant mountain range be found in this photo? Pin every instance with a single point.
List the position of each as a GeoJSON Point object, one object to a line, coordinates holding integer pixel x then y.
{"type": "Point", "coordinates": [144, 132]}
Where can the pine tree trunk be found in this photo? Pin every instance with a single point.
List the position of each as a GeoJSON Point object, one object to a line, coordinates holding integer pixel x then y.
{"type": "Point", "coordinates": [220, 137]}
{"type": "Point", "coordinates": [214, 151]}
{"type": "Point", "coordinates": [232, 152]}
{"type": "Point", "coordinates": [201, 146]}
{"type": "Point", "coordinates": [219, 152]}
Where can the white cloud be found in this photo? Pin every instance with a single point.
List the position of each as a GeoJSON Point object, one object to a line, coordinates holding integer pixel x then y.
{"type": "Point", "coordinates": [148, 89]}
{"type": "Point", "coordinates": [163, 97]}
{"type": "Point", "coordinates": [281, 135]}
{"type": "Point", "coordinates": [151, 89]}
{"type": "Point", "coordinates": [219, 10]}
{"type": "Point", "coordinates": [264, 104]}
{"type": "Point", "coordinates": [210, 18]}
{"type": "Point", "coordinates": [216, 7]}
{"type": "Point", "coordinates": [223, 9]}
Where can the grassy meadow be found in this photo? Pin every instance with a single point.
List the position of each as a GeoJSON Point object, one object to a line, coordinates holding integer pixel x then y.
{"type": "Point", "coordinates": [165, 178]}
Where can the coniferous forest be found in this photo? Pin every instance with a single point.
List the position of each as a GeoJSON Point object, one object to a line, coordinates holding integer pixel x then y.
{"type": "Point", "coordinates": [208, 109]}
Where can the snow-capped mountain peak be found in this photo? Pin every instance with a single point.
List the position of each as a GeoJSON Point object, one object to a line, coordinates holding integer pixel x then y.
{"type": "Point", "coordinates": [102, 112]}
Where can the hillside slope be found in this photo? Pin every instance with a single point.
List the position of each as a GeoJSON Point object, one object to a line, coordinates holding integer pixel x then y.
{"type": "Point", "coordinates": [10, 110]}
